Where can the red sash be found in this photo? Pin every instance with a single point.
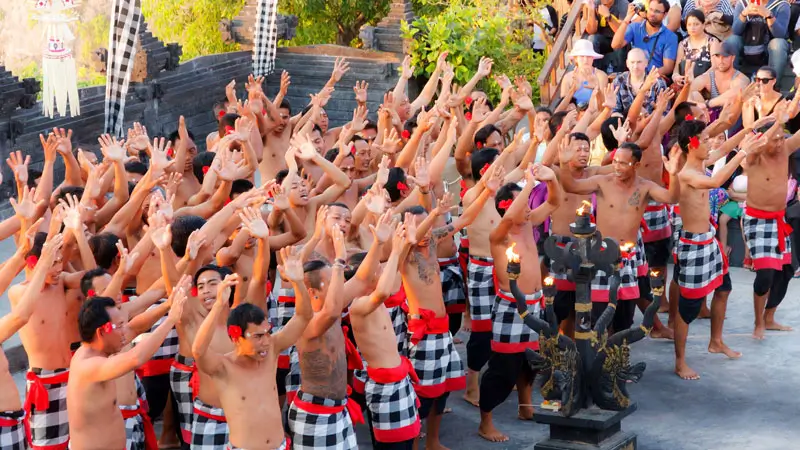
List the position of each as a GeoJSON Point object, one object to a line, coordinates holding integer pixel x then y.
{"type": "Point", "coordinates": [395, 374]}
{"type": "Point", "coordinates": [428, 323]}
{"type": "Point", "coordinates": [200, 412]}
{"type": "Point", "coordinates": [154, 367]}
{"type": "Point", "coordinates": [150, 440]}
{"type": "Point", "coordinates": [398, 299]}
{"type": "Point", "coordinates": [353, 358]}
{"type": "Point", "coordinates": [784, 229]}
{"type": "Point", "coordinates": [6, 422]}
{"type": "Point", "coordinates": [37, 397]}
{"type": "Point", "coordinates": [194, 381]}
{"type": "Point", "coordinates": [356, 415]}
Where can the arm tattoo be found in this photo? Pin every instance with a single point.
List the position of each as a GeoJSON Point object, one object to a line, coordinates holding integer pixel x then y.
{"type": "Point", "coordinates": [442, 232]}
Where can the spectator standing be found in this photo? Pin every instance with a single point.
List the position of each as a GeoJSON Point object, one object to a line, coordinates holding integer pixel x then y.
{"type": "Point", "coordinates": [760, 32]}
{"type": "Point", "coordinates": [603, 20]}
{"type": "Point", "coordinates": [696, 47]}
{"type": "Point", "coordinates": [628, 84]}
{"type": "Point", "coordinates": [659, 43]}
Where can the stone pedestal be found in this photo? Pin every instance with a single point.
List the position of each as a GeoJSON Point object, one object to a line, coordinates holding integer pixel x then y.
{"type": "Point", "coordinates": [590, 429]}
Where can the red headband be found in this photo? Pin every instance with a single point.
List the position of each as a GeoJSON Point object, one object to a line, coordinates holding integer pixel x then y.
{"type": "Point", "coordinates": [505, 204]}
{"type": "Point", "coordinates": [126, 298]}
{"type": "Point", "coordinates": [170, 152]}
{"type": "Point", "coordinates": [479, 145]}
{"type": "Point", "coordinates": [402, 187]}
{"type": "Point", "coordinates": [689, 117]}
{"type": "Point", "coordinates": [235, 332]}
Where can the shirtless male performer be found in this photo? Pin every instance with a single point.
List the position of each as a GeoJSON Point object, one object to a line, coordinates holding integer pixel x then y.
{"type": "Point", "coordinates": [508, 365]}
{"type": "Point", "coordinates": [765, 230]}
{"type": "Point", "coordinates": [94, 418]}
{"type": "Point", "coordinates": [320, 415]}
{"type": "Point", "coordinates": [390, 397]}
{"type": "Point", "coordinates": [621, 200]}
{"type": "Point", "coordinates": [12, 428]}
{"type": "Point", "coordinates": [700, 266]}
{"type": "Point", "coordinates": [245, 377]}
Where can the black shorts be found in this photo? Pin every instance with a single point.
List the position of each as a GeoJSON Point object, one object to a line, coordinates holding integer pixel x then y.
{"type": "Point", "coordinates": [427, 404]}
{"type": "Point", "coordinates": [726, 285]}
{"type": "Point", "coordinates": [658, 252]}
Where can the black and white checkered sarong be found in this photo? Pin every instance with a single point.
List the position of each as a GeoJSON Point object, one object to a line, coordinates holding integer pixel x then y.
{"type": "Point", "coordinates": [762, 237]}
{"type": "Point", "coordinates": [208, 431]}
{"type": "Point", "coordinates": [265, 39]}
{"type": "Point", "coordinates": [455, 299]}
{"type": "Point", "coordinates": [628, 283]}
{"type": "Point", "coordinates": [126, 18]}
{"type": "Point", "coordinates": [12, 436]}
{"type": "Point", "coordinates": [315, 431]}
{"type": "Point", "coordinates": [701, 264]}
{"type": "Point", "coordinates": [179, 379]}
{"type": "Point", "coordinates": [509, 332]}
{"type": "Point", "coordinates": [392, 405]}
{"type": "Point", "coordinates": [284, 311]}
{"type": "Point", "coordinates": [49, 427]}
{"type": "Point", "coordinates": [438, 365]}
{"type": "Point", "coordinates": [480, 282]}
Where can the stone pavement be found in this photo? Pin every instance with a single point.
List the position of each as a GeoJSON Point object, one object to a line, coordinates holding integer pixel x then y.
{"type": "Point", "coordinates": [749, 403]}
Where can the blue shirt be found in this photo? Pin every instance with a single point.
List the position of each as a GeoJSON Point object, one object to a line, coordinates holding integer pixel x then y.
{"type": "Point", "coordinates": [780, 26]}
{"type": "Point", "coordinates": [661, 45]}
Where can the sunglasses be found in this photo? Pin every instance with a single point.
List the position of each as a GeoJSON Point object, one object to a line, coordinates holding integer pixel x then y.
{"type": "Point", "coordinates": [763, 80]}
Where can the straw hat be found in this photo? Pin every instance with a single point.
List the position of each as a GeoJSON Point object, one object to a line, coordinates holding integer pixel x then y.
{"type": "Point", "coordinates": [584, 47]}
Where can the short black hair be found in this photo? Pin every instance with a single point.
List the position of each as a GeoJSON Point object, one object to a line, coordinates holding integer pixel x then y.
{"type": "Point", "coordinates": [285, 105]}
{"type": "Point", "coordinates": [682, 110]}
{"type": "Point", "coordinates": [245, 314]}
{"type": "Point", "coordinates": [505, 193]}
{"type": "Point", "coordinates": [93, 315]}
{"type": "Point", "coordinates": [77, 191]}
{"type": "Point", "coordinates": [697, 14]}
{"type": "Point", "coordinates": [181, 228]}
{"type": "Point", "coordinates": [136, 167]}
{"type": "Point", "coordinates": [318, 129]}
{"type": "Point", "coordinates": [240, 187]}
{"type": "Point", "coordinates": [416, 210]}
{"type": "Point", "coordinates": [174, 136]}
{"type": "Point", "coordinates": [636, 151]}
{"type": "Point", "coordinates": [664, 3]}
{"type": "Point", "coordinates": [687, 130]}
{"type": "Point", "coordinates": [199, 164]}
{"type": "Point", "coordinates": [33, 175]}
{"type": "Point", "coordinates": [578, 136]}
{"type": "Point", "coordinates": [104, 249]}
{"type": "Point", "coordinates": [607, 135]}
{"type": "Point", "coordinates": [311, 271]}
{"type": "Point", "coordinates": [480, 159]}
{"type": "Point", "coordinates": [339, 205]}
{"type": "Point", "coordinates": [353, 263]}
{"type": "Point", "coordinates": [543, 109]}
{"type": "Point", "coordinates": [88, 278]}
{"type": "Point", "coordinates": [410, 125]}
{"type": "Point", "coordinates": [38, 243]}
{"type": "Point", "coordinates": [281, 175]}
{"type": "Point", "coordinates": [555, 122]}
{"type": "Point", "coordinates": [396, 175]}
{"type": "Point", "coordinates": [222, 271]}
{"type": "Point", "coordinates": [228, 120]}
{"type": "Point", "coordinates": [371, 126]}
{"type": "Point", "coordinates": [482, 135]}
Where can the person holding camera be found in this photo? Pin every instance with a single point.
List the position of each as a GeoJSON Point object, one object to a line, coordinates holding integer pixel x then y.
{"type": "Point", "coordinates": [760, 29]}
{"type": "Point", "coordinates": [603, 20]}
{"type": "Point", "coordinates": [659, 43]}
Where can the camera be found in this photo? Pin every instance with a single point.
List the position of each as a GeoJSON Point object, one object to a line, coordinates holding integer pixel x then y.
{"type": "Point", "coordinates": [638, 7]}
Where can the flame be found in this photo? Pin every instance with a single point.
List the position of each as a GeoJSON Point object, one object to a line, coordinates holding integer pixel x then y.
{"type": "Point", "coordinates": [511, 255]}
{"type": "Point", "coordinates": [549, 281]}
{"type": "Point", "coordinates": [585, 208]}
{"type": "Point", "coordinates": [654, 273]}
{"type": "Point", "coordinates": [626, 246]}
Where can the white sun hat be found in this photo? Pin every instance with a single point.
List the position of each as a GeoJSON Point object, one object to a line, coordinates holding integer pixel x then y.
{"type": "Point", "coordinates": [584, 47]}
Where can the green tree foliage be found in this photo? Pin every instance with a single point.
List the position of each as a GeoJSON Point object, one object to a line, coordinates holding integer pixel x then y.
{"type": "Point", "coordinates": [333, 21]}
{"type": "Point", "coordinates": [194, 24]}
{"type": "Point", "coordinates": [468, 30]}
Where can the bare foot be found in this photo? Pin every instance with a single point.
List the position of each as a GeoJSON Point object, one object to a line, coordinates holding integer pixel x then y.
{"type": "Point", "coordinates": [471, 399]}
{"type": "Point", "coordinates": [775, 326]}
{"type": "Point", "coordinates": [166, 446]}
{"type": "Point", "coordinates": [758, 333]}
{"type": "Point", "coordinates": [447, 411]}
{"type": "Point", "coordinates": [437, 446]}
{"type": "Point", "coordinates": [457, 340]}
{"type": "Point", "coordinates": [525, 413]}
{"type": "Point", "coordinates": [686, 372]}
{"type": "Point", "coordinates": [662, 333]}
{"type": "Point", "coordinates": [724, 349]}
{"type": "Point", "coordinates": [491, 434]}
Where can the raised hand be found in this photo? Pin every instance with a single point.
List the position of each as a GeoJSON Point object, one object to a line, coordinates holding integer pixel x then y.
{"type": "Point", "coordinates": [444, 204]}
{"type": "Point", "coordinates": [673, 163]}
{"type": "Point", "coordinates": [137, 138]}
{"type": "Point", "coordinates": [479, 110]}
{"type": "Point", "coordinates": [337, 235]}
{"type": "Point", "coordinates": [279, 198]}
{"type": "Point", "coordinates": [63, 140]}
{"type": "Point", "coordinates": [543, 173]}
{"type": "Point", "coordinates": [230, 90]}
{"type": "Point", "coordinates": [292, 264]}
{"type": "Point", "coordinates": [441, 61]}
{"type": "Point", "coordinates": [523, 85]}
{"type": "Point", "coordinates": [319, 223]}
{"type": "Point", "coordinates": [383, 229]}
{"type": "Point", "coordinates": [25, 243]}
{"type": "Point", "coordinates": [485, 67]}
{"type": "Point", "coordinates": [159, 162]}
{"type": "Point", "coordinates": [622, 131]}
{"type": "Point", "coordinates": [113, 149]}
{"type": "Point", "coordinates": [51, 249]}
{"type": "Point", "coordinates": [177, 300]}
{"type": "Point", "coordinates": [93, 183]}
{"type": "Point", "coordinates": [495, 179]}
{"type": "Point", "coordinates": [411, 228]}
{"type": "Point", "coordinates": [610, 97]}
{"type": "Point", "coordinates": [50, 146]}
{"type": "Point", "coordinates": [383, 172]}
{"type": "Point", "coordinates": [422, 178]}
{"type": "Point", "coordinates": [340, 67]}
{"type": "Point", "coordinates": [360, 89]}
{"type": "Point", "coordinates": [254, 86]}
{"type": "Point", "coordinates": [126, 260]}
{"type": "Point", "coordinates": [376, 200]}
{"type": "Point", "coordinates": [286, 81]}
{"type": "Point", "coordinates": [305, 149]}
{"type": "Point", "coordinates": [359, 118]}
{"type": "Point", "coordinates": [652, 78]}
{"type": "Point", "coordinates": [253, 222]}
{"type": "Point", "coordinates": [26, 208]}
{"type": "Point", "coordinates": [72, 217]}
{"type": "Point", "coordinates": [19, 166]}
{"type": "Point", "coordinates": [162, 234]}
{"type": "Point", "coordinates": [392, 143]}
{"type": "Point", "coordinates": [229, 170]}
{"type": "Point", "coordinates": [407, 70]}
{"type": "Point", "coordinates": [195, 242]}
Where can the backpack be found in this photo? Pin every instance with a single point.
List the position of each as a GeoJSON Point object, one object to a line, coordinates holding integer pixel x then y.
{"type": "Point", "coordinates": [756, 37]}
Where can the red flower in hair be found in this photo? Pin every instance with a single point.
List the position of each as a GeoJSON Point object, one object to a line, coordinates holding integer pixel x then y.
{"type": "Point", "coordinates": [206, 169]}
{"type": "Point", "coordinates": [558, 128]}
{"type": "Point", "coordinates": [235, 332]}
{"type": "Point", "coordinates": [227, 200]}
{"type": "Point", "coordinates": [689, 117]}
{"type": "Point", "coordinates": [170, 152]}
{"type": "Point", "coordinates": [229, 130]}
{"type": "Point", "coordinates": [406, 134]}
{"type": "Point", "coordinates": [126, 298]}
{"type": "Point", "coordinates": [402, 187]}
{"type": "Point", "coordinates": [221, 114]}
{"type": "Point", "coordinates": [468, 101]}
{"type": "Point", "coordinates": [193, 291]}
{"type": "Point", "coordinates": [264, 112]}
{"type": "Point", "coordinates": [479, 145]}
{"type": "Point", "coordinates": [505, 204]}
{"type": "Point", "coordinates": [353, 150]}
{"type": "Point", "coordinates": [90, 293]}
{"type": "Point", "coordinates": [31, 261]}
{"type": "Point", "coordinates": [694, 142]}
{"type": "Point", "coordinates": [107, 328]}
{"type": "Point", "coordinates": [484, 168]}
{"type": "Point", "coordinates": [468, 116]}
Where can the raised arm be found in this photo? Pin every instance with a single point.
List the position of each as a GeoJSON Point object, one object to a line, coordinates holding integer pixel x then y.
{"type": "Point", "coordinates": [73, 222]}
{"type": "Point", "coordinates": [292, 269]}
{"type": "Point", "coordinates": [207, 359]}
{"type": "Point", "coordinates": [334, 300]}
{"type": "Point", "coordinates": [388, 278]}
{"type": "Point", "coordinates": [672, 166]}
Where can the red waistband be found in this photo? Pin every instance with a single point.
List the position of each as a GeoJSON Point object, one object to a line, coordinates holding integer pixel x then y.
{"type": "Point", "coordinates": [154, 367]}
{"type": "Point", "coordinates": [6, 422]}
{"type": "Point", "coordinates": [394, 374]}
{"type": "Point", "coordinates": [200, 412]}
{"type": "Point", "coordinates": [37, 392]}
{"type": "Point", "coordinates": [507, 296]}
{"type": "Point", "coordinates": [356, 415]}
{"type": "Point", "coordinates": [397, 299]}
{"type": "Point", "coordinates": [150, 439]}
{"type": "Point", "coordinates": [706, 242]}
{"type": "Point", "coordinates": [761, 214]}
{"type": "Point", "coordinates": [351, 352]}
{"type": "Point", "coordinates": [428, 323]}
{"type": "Point", "coordinates": [448, 261]}
{"type": "Point", "coordinates": [481, 262]}
{"type": "Point", "coordinates": [194, 380]}
{"type": "Point", "coordinates": [655, 208]}
{"type": "Point", "coordinates": [285, 299]}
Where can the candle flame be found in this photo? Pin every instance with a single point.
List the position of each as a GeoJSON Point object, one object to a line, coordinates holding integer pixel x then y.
{"type": "Point", "coordinates": [549, 281]}
{"type": "Point", "coordinates": [511, 255]}
{"type": "Point", "coordinates": [654, 273]}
